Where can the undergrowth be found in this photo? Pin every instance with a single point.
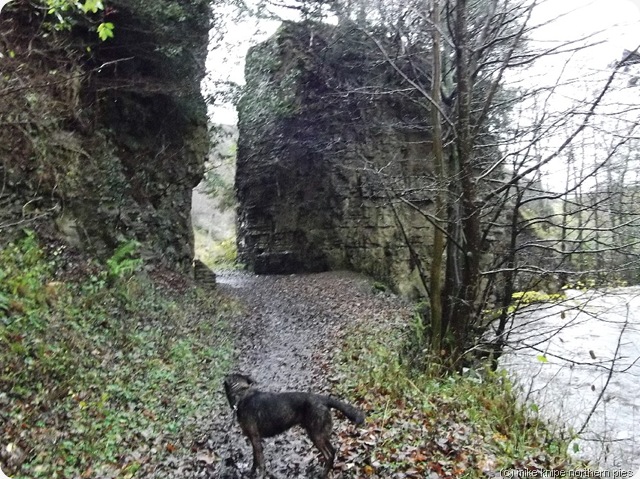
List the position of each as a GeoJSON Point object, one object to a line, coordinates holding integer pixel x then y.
{"type": "Point", "coordinates": [426, 426]}
{"type": "Point", "coordinates": [104, 373]}
{"type": "Point", "coordinates": [218, 254]}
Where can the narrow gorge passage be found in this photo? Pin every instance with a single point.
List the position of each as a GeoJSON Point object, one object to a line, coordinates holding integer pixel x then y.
{"type": "Point", "coordinates": [289, 329]}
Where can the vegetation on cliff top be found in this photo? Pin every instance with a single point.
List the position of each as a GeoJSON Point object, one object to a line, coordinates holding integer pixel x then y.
{"type": "Point", "coordinates": [104, 139]}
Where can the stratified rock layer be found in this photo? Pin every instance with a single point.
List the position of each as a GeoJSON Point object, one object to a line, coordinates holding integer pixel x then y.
{"type": "Point", "coordinates": [333, 159]}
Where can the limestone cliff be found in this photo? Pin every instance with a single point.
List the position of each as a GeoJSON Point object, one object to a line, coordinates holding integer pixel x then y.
{"type": "Point", "coordinates": [331, 144]}
{"type": "Point", "coordinates": [104, 141]}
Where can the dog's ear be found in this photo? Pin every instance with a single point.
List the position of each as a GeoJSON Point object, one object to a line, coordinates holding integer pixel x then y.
{"type": "Point", "coordinates": [229, 378]}
{"type": "Point", "coordinates": [236, 385]}
{"type": "Point", "coordinates": [237, 377]}
{"type": "Point", "coordinates": [227, 392]}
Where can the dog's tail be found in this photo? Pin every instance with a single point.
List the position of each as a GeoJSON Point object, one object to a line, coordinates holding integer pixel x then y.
{"type": "Point", "coordinates": [352, 413]}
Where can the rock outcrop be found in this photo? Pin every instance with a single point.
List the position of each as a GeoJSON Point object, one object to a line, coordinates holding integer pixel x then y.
{"type": "Point", "coordinates": [333, 167]}
{"type": "Point", "coordinates": [104, 140]}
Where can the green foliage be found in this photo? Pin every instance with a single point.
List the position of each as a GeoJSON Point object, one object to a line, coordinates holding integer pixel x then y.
{"type": "Point", "coordinates": [123, 263]}
{"type": "Point", "coordinates": [521, 299]}
{"type": "Point", "coordinates": [23, 273]}
{"type": "Point", "coordinates": [419, 330]}
{"type": "Point", "coordinates": [227, 252]}
{"type": "Point", "coordinates": [101, 378]}
{"type": "Point", "coordinates": [219, 187]}
{"type": "Point", "coordinates": [105, 31]}
{"type": "Point", "coordinates": [379, 287]}
{"type": "Point", "coordinates": [67, 13]}
{"type": "Point", "coordinates": [4, 298]}
{"type": "Point", "coordinates": [586, 283]}
{"type": "Point", "coordinates": [458, 426]}
{"type": "Point", "coordinates": [174, 26]}
{"type": "Point", "coordinates": [217, 254]}
{"type": "Point", "coordinates": [529, 297]}
{"type": "Point", "coordinates": [220, 167]}
{"type": "Point", "coordinates": [92, 6]}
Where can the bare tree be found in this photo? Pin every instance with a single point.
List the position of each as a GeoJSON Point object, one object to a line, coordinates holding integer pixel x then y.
{"type": "Point", "coordinates": [498, 226]}
{"type": "Point", "coordinates": [493, 173]}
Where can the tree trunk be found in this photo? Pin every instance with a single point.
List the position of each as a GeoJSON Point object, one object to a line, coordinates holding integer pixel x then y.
{"type": "Point", "coordinates": [464, 309]}
{"type": "Point", "coordinates": [435, 283]}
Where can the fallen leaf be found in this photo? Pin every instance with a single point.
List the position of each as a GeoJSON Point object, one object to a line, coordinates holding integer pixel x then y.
{"type": "Point", "coordinates": [208, 457]}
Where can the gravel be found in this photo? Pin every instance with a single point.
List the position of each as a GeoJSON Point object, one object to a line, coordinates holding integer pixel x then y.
{"type": "Point", "coordinates": [289, 329]}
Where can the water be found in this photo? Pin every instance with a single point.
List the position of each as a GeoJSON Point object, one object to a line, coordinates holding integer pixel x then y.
{"type": "Point", "coordinates": [579, 361]}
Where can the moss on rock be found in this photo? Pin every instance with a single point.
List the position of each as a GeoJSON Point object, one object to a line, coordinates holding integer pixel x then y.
{"type": "Point", "coordinates": [109, 135]}
{"type": "Point", "coordinates": [324, 155]}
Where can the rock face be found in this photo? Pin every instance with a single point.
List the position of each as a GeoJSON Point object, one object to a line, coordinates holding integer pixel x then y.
{"type": "Point", "coordinates": [332, 165]}
{"type": "Point", "coordinates": [105, 140]}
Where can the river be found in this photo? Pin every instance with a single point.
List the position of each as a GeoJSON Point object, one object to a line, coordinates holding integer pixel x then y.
{"type": "Point", "coordinates": [578, 360]}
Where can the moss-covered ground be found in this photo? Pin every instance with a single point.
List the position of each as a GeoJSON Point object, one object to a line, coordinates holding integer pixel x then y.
{"type": "Point", "coordinates": [105, 370]}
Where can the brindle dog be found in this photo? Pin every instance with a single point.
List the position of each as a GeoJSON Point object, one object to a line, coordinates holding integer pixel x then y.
{"type": "Point", "coordinates": [266, 414]}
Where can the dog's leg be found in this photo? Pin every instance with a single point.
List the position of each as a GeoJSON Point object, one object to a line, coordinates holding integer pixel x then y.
{"type": "Point", "coordinates": [321, 441]}
{"type": "Point", "coordinates": [258, 457]}
{"type": "Point", "coordinates": [319, 428]}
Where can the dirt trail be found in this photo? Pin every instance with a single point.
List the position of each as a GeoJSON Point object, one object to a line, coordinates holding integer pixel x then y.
{"type": "Point", "coordinates": [285, 339]}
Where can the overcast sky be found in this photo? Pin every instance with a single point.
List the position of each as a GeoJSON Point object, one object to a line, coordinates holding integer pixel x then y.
{"type": "Point", "coordinates": [616, 21]}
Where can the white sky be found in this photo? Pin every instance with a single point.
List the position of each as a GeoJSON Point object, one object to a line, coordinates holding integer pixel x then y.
{"type": "Point", "coordinates": [617, 21]}
{"type": "Point", "coordinates": [614, 22]}
{"type": "Point", "coordinates": [615, 26]}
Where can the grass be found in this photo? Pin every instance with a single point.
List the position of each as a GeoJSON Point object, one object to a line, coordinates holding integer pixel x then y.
{"type": "Point", "coordinates": [103, 373]}
{"type": "Point", "coordinates": [424, 426]}
{"type": "Point", "coordinates": [107, 372]}
{"type": "Point", "coordinates": [216, 253]}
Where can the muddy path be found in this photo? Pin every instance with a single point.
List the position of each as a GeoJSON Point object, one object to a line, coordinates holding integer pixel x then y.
{"type": "Point", "coordinates": [285, 338]}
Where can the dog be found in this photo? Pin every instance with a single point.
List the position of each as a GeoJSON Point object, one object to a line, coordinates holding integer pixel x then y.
{"type": "Point", "coordinates": [267, 414]}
